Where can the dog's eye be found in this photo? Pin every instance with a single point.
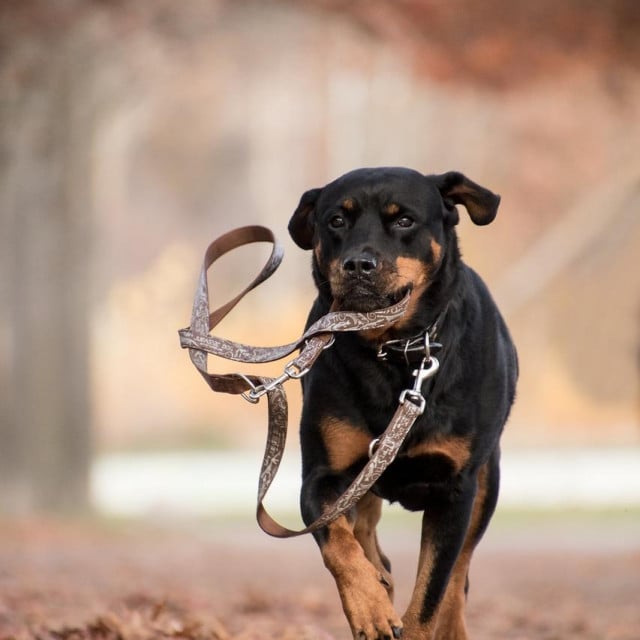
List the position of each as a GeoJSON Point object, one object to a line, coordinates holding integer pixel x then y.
{"type": "Point", "coordinates": [336, 222]}
{"type": "Point", "coordinates": [404, 221]}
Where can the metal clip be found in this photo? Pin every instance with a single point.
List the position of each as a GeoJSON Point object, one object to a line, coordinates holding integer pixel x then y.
{"type": "Point", "coordinates": [427, 369]}
{"type": "Point", "coordinates": [330, 343]}
{"type": "Point", "coordinates": [373, 447]}
{"type": "Point", "coordinates": [247, 395]}
{"type": "Point", "coordinates": [427, 349]}
{"type": "Point", "coordinates": [291, 371]}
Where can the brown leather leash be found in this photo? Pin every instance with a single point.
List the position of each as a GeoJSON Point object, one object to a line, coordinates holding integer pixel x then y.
{"type": "Point", "coordinates": [319, 336]}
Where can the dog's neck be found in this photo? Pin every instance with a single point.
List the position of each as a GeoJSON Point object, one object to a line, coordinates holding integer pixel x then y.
{"type": "Point", "coordinates": [442, 290]}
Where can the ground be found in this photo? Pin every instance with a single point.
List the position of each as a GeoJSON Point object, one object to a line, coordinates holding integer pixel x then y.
{"type": "Point", "coordinates": [533, 578]}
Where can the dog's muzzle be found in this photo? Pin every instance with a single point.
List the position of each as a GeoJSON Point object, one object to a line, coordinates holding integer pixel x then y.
{"type": "Point", "coordinates": [363, 282]}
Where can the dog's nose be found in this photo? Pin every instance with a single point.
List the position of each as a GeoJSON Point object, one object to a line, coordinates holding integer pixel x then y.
{"type": "Point", "coordinates": [362, 264]}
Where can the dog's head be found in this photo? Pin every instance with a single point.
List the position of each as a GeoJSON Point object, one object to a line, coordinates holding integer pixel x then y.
{"type": "Point", "coordinates": [377, 234]}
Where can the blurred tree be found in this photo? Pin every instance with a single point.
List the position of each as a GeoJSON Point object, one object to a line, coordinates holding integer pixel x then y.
{"type": "Point", "coordinates": [65, 70]}
{"type": "Point", "coordinates": [45, 176]}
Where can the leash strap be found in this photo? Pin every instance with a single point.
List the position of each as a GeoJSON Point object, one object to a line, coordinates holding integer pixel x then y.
{"type": "Point", "coordinates": [197, 339]}
{"type": "Point", "coordinates": [388, 447]}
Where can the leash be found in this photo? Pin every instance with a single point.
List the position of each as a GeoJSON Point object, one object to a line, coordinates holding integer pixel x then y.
{"type": "Point", "coordinates": [319, 336]}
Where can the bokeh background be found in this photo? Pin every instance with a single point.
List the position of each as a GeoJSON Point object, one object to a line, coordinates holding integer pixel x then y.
{"type": "Point", "coordinates": [133, 133]}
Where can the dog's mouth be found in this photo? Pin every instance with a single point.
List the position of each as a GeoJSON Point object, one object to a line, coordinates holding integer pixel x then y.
{"type": "Point", "coordinates": [363, 297]}
{"type": "Point", "coordinates": [400, 294]}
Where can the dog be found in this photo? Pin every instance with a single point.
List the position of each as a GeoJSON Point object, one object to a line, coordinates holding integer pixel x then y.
{"type": "Point", "coordinates": [376, 236]}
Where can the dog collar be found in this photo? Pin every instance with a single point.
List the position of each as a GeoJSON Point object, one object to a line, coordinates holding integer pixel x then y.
{"type": "Point", "coordinates": [414, 349]}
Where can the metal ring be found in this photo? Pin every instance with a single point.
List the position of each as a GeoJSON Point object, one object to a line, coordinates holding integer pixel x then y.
{"type": "Point", "coordinates": [405, 353]}
{"type": "Point", "coordinates": [427, 346]}
{"type": "Point", "coordinates": [330, 343]}
{"type": "Point", "coordinates": [373, 447]}
{"type": "Point", "coordinates": [253, 395]}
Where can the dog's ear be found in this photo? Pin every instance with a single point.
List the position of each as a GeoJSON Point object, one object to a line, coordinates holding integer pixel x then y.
{"type": "Point", "coordinates": [456, 188]}
{"type": "Point", "coordinates": [301, 223]}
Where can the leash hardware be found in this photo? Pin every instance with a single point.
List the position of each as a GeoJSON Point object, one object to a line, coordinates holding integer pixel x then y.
{"type": "Point", "coordinates": [415, 397]}
{"type": "Point", "coordinates": [420, 344]}
{"type": "Point", "coordinates": [330, 343]}
{"type": "Point", "coordinates": [248, 395]}
{"type": "Point", "coordinates": [373, 447]}
{"type": "Point", "coordinates": [427, 369]}
{"type": "Point", "coordinates": [256, 393]}
{"type": "Point", "coordinates": [291, 371]}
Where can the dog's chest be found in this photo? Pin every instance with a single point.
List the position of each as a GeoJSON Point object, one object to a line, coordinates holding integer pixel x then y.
{"type": "Point", "coordinates": [417, 480]}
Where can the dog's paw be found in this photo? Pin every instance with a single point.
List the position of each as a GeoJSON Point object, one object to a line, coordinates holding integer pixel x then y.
{"type": "Point", "coordinates": [367, 606]}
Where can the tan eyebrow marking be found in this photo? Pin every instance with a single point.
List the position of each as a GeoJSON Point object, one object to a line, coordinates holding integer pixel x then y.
{"type": "Point", "coordinates": [348, 204]}
{"type": "Point", "coordinates": [391, 209]}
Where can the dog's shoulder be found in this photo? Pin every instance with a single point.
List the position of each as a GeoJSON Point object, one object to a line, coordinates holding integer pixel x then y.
{"type": "Point", "coordinates": [481, 315]}
{"type": "Point", "coordinates": [485, 352]}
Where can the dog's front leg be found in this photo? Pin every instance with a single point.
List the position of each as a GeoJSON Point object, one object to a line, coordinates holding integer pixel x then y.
{"type": "Point", "coordinates": [369, 510]}
{"type": "Point", "coordinates": [363, 588]}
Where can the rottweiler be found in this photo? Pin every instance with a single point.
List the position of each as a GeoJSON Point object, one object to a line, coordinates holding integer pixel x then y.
{"type": "Point", "coordinates": [377, 235]}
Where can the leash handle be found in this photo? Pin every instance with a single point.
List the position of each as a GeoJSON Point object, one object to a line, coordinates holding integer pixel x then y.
{"type": "Point", "coordinates": [318, 337]}
{"type": "Point", "coordinates": [224, 244]}
{"type": "Point", "coordinates": [203, 321]}
{"type": "Point", "coordinates": [196, 337]}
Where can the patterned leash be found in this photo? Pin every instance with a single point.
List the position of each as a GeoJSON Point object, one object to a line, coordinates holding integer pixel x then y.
{"type": "Point", "coordinates": [318, 337]}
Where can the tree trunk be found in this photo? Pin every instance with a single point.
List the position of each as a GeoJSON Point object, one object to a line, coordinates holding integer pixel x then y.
{"type": "Point", "coordinates": [45, 441]}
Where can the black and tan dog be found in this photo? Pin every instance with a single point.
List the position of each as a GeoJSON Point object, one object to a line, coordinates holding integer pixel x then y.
{"type": "Point", "coordinates": [377, 234]}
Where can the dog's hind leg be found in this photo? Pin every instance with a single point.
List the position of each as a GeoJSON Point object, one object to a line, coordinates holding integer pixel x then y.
{"type": "Point", "coordinates": [368, 513]}
{"type": "Point", "coordinates": [444, 529]}
{"type": "Point", "coordinates": [451, 625]}
{"type": "Point", "coordinates": [449, 537]}
{"type": "Point", "coordinates": [450, 621]}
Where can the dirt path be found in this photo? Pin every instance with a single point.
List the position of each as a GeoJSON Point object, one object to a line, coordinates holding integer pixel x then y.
{"type": "Point", "coordinates": [71, 582]}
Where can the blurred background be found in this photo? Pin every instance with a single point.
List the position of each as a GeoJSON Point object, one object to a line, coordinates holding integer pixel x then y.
{"type": "Point", "coordinates": [134, 133]}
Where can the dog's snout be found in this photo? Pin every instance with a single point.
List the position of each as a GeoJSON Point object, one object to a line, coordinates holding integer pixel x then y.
{"type": "Point", "coordinates": [362, 264]}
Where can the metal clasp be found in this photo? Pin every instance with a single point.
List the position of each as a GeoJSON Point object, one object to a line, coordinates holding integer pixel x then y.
{"type": "Point", "coordinates": [248, 395]}
{"type": "Point", "coordinates": [427, 369]}
{"type": "Point", "coordinates": [427, 351]}
{"type": "Point", "coordinates": [291, 371]}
